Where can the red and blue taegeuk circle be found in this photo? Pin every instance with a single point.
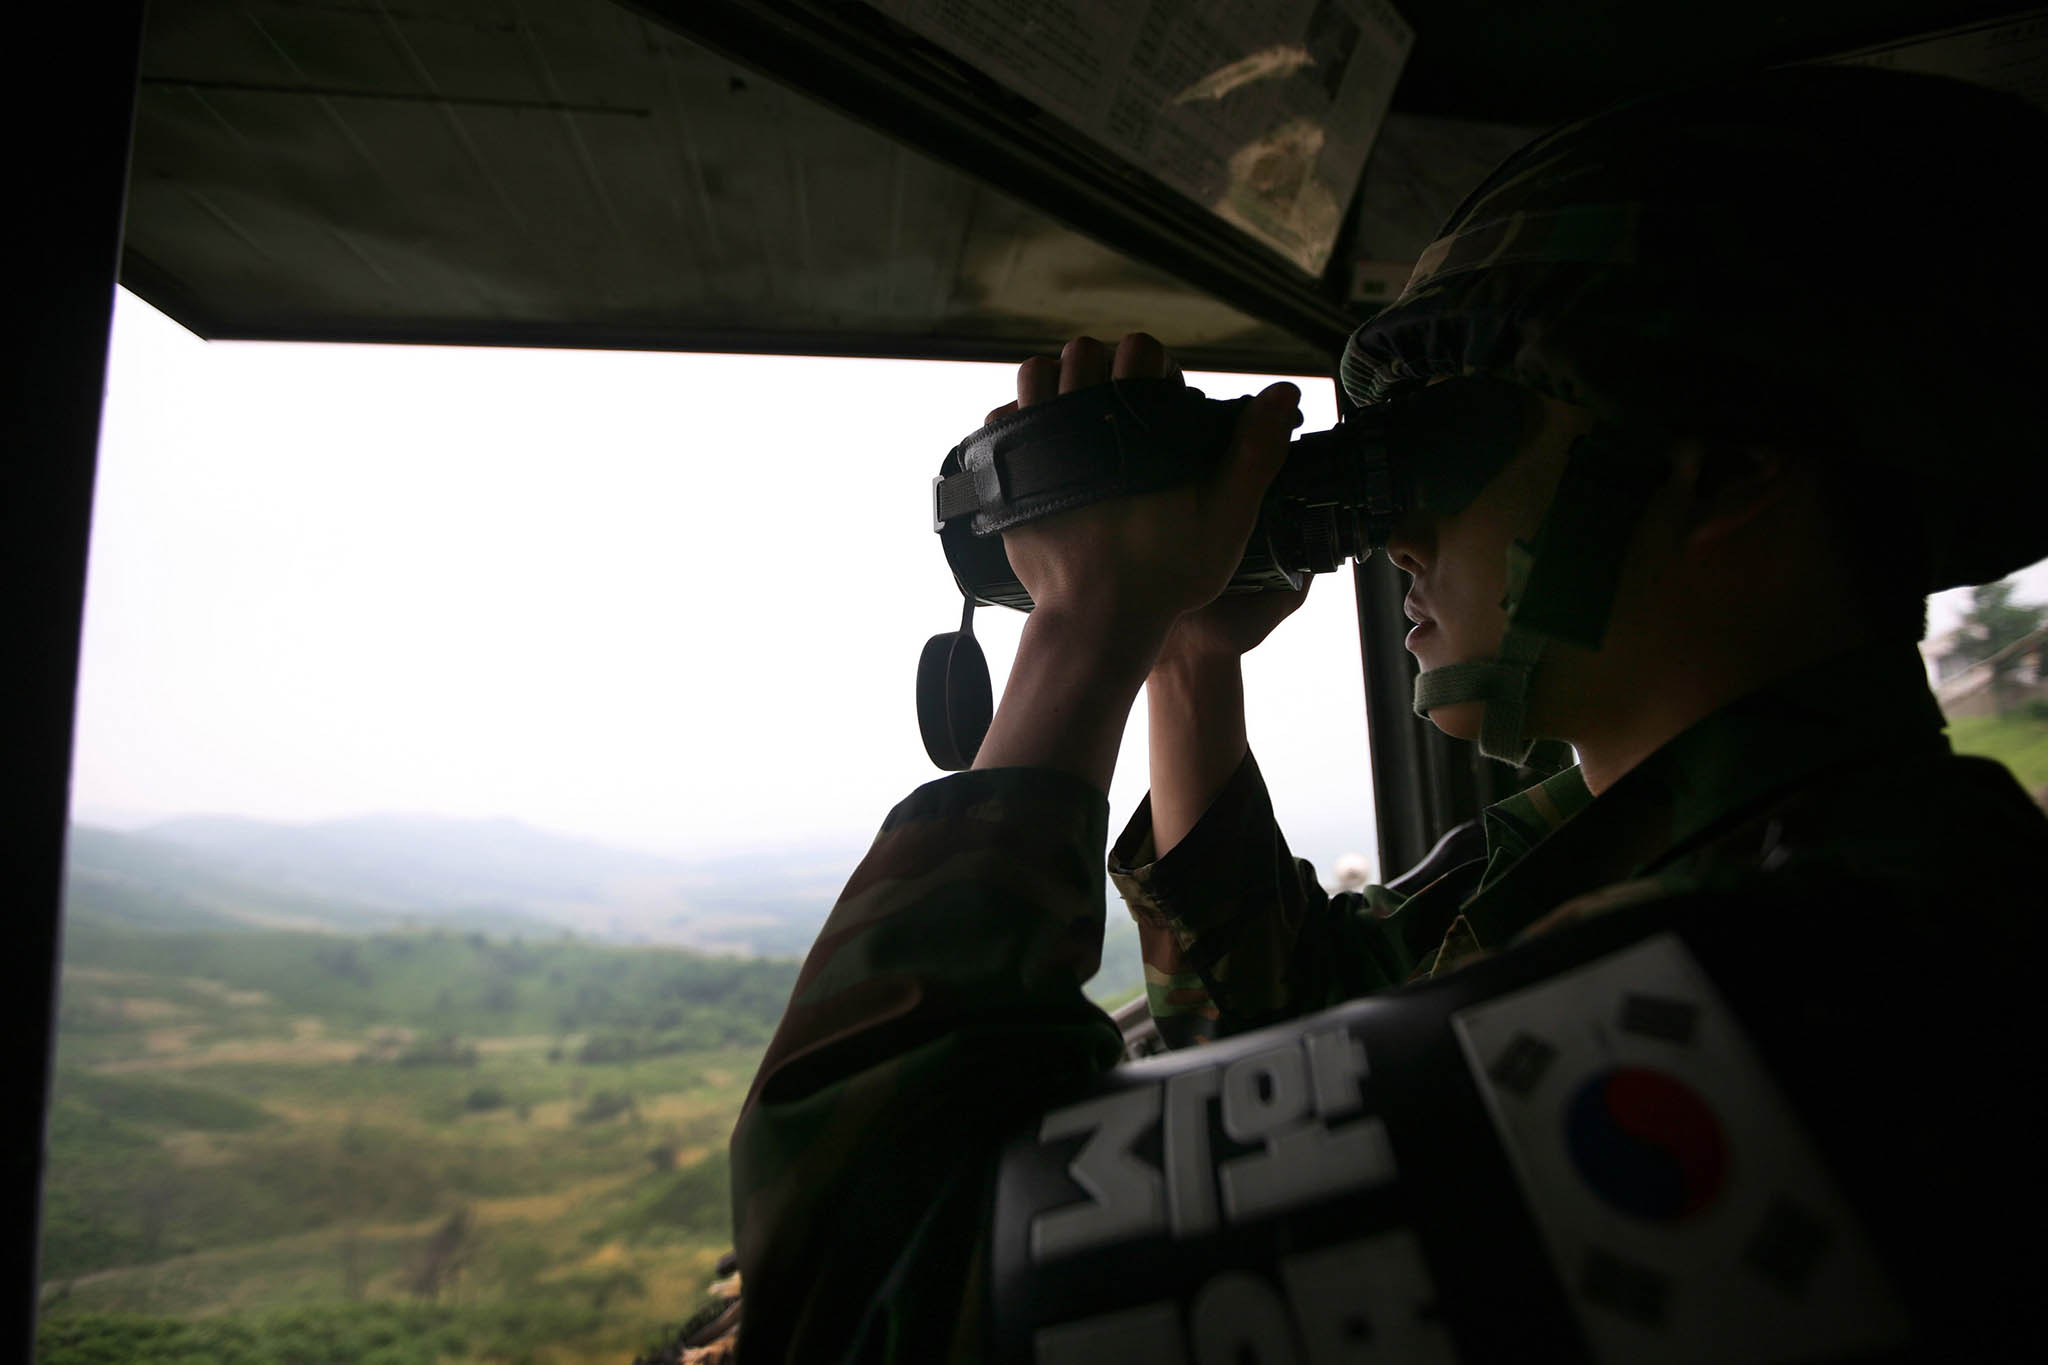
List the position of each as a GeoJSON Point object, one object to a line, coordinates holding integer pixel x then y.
{"type": "Point", "coordinates": [1647, 1143]}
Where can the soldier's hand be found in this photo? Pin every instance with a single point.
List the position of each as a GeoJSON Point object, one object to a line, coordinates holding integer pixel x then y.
{"type": "Point", "coordinates": [1147, 559]}
{"type": "Point", "coordinates": [1231, 626]}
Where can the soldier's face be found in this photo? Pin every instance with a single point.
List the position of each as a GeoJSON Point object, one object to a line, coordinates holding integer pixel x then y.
{"type": "Point", "coordinates": [1458, 563]}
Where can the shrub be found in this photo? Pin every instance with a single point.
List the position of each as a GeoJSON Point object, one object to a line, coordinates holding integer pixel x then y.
{"type": "Point", "coordinates": [446, 1050]}
{"type": "Point", "coordinates": [606, 1104]}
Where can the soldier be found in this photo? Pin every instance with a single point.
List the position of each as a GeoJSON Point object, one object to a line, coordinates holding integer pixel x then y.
{"type": "Point", "coordinates": [1780, 344]}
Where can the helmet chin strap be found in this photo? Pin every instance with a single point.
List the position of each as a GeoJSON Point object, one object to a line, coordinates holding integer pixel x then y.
{"type": "Point", "coordinates": [1560, 589]}
{"type": "Point", "coordinates": [1500, 683]}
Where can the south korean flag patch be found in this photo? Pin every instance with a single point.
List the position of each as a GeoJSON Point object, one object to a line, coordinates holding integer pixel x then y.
{"type": "Point", "coordinates": [1687, 1214]}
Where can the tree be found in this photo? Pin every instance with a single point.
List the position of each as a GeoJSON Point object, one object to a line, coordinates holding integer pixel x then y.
{"type": "Point", "coordinates": [352, 1266]}
{"type": "Point", "coordinates": [443, 1257]}
{"type": "Point", "coordinates": [1993, 623]}
{"type": "Point", "coordinates": [606, 1104]}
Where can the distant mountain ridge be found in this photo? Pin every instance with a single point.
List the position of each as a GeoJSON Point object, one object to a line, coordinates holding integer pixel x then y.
{"type": "Point", "coordinates": [415, 862]}
{"type": "Point", "coordinates": [383, 871]}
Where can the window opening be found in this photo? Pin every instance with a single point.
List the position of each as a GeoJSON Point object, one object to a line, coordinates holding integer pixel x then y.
{"type": "Point", "coordinates": [1986, 650]}
{"type": "Point", "coordinates": [469, 743]}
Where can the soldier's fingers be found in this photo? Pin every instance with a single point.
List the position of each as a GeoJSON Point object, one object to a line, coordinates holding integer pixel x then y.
{"type": "Point", "coordinates": [1004, 411]}
{"type": "Point", "coordinates": [1037, 380]}
{"type": "Point", "coordinates": [1140, 356]}
{"type": "Point", "coordinates": [1085, 361]}
{"type": "Point", "coordinates": [1261, 446]}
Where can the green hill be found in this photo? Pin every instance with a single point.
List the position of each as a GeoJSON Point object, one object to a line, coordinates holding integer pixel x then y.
{"type": "Point", "coordinates": [291, 1125]}
{"type": "Point", "coordinates": [155, 883]}
{"type": "Point", "coordinates": [272, 1145]}
{"type": "Point", "coordinates": [502, 877]}
{"type": "Point", "coordinates": [218, 985]}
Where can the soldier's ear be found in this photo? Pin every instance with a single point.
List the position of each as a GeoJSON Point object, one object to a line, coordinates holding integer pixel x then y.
{"type": "Point", "coordinates": [1728, 487]}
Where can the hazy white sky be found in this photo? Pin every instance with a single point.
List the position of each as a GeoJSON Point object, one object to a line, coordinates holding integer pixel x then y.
{"type": "Point", "coordinates": [669, 601]}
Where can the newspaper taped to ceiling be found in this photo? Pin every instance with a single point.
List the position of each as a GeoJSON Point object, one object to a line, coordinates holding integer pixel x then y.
{"type": "Point", "coordinates": [1261, 111]}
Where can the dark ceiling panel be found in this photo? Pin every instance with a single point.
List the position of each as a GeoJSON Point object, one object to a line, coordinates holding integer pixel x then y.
{"type": "Point", "coordinates": [562, 172]}
{"type": "Point", "coordinates": [568, 172]}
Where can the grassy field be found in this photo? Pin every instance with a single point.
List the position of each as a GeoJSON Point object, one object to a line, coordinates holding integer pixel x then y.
{"type": "Point", "coordinates": [430, 1149]}
{"type": "Point", "coordinates": [2019, 740]}
{"type": "Point", "coordinates": [340, 1144]}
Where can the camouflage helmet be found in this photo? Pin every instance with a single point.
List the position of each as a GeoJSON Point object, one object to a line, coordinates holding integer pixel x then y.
{"type": "Point", "coordinates": [1841, 255]}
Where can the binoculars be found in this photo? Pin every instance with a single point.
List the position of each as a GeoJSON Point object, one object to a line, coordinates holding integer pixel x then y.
{"type": "Point", "coordinates": [1339, 496]}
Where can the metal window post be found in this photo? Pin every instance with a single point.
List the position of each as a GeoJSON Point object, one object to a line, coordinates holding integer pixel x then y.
{"type": "Point", "coordinates": [71, 126]}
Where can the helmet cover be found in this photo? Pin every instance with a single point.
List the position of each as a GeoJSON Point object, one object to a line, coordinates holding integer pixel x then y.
{"type": "Point", "coordinates": [1837, 256]}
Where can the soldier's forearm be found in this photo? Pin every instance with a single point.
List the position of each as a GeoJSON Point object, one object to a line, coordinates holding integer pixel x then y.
{"type": "Point", "coordinates": [1195, 737]}
{"type": "Point", "coordinates": [1076, 673]}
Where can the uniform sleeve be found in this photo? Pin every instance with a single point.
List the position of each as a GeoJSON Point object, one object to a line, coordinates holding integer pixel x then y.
{"type": "Point", "coordinates": [940, 1007]}
{"type": "Point", "coordinates": [1237, 932]}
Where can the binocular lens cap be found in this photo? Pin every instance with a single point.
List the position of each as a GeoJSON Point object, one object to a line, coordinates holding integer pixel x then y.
{"type": "Point", "coordinates": [954, 700]}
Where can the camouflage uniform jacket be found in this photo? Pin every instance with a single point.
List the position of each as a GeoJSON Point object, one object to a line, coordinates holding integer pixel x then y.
{"type": "Point", "coordinates": [1236, 932]}
{"type": "Point", "coordinates": [941, 1006]}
